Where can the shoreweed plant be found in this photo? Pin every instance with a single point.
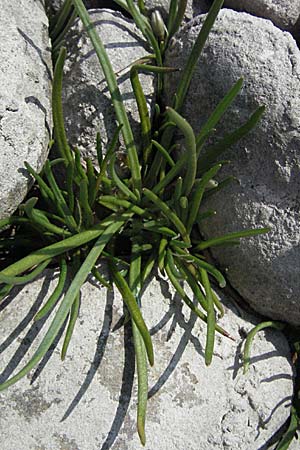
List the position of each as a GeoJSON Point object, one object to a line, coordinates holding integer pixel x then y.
{"type": "Point", "coordinates": [156, 207]}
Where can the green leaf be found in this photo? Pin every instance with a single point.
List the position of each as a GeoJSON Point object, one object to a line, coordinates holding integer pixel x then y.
{"type": "Point", "coordinates": [188, 71]}
{"type": "Point", "coordinates": [291, 431]}
{"type": "Point", "coordinates": [69, 298]}
{"type": "Point", "coordinates": [230, 237]}
{"type": "Point", "coordinates": [251, 335]}
{"type": "Point", "coordinates": [115, 93]}
{"type": "Point", "coordinates": [190, 142]}
{"type": "Point", "coordinates": [130, 301]}
{"type": "Point", "coordinates": [213, 152]}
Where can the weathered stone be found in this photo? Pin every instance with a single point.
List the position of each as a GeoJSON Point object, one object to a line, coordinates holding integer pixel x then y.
{"type": "Point", "coordinates": [283, 13]}
{"type": "Point", "coordinates": [194, 7]}
{"type": "Point", "coordinates": [86, 99]}
{"type": "Point", "coordinates": [25, 89]}
{"type": "Point", "coordinates": [87, 402]}
{"type": "Point", "coordinates": [264, 270]}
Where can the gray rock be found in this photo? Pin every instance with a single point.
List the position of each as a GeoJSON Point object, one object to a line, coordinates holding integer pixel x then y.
{"type": "Point", "coordinates": [264, 270]}
{"type": "Point", "coordinates": [88, 402]}
{"type": "Point", "coordinates": [283, 13]}
{"type": "Point", "coordinates": [86, 100]}
{"type": "Point", "coordinates": [193, 8]}
{"type": "Point", "coordinates": [25, 89]}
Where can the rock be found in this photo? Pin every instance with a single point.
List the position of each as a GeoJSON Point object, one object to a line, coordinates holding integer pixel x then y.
{"type": "Point", "coordinates": [194, 7]}
{"type": "Point", "coordinates": [190, 406]}
{"type": "Point", "coordinates": [86, 100]}
{"type": "Point", "coordinates": [283, 13]}
{"type": "Point", "coordinates": [25, 89]}
{"type": "Point", "coordinates": [264, 270]}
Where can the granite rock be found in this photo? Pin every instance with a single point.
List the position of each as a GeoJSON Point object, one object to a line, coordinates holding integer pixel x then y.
{"type": "Point", "coordinates": [265, 270]}
{"type": "Point", "coordinates": [25, 92]}
{"type": "Point", "coordinates": [86, 99]}
{"type": "Point", "coordinates": [89, 401]}
{"type": "Point", "coordinates": [283, 13]}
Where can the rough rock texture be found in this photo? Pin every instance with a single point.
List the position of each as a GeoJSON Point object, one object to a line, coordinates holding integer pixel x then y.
{"type": "Point", "coordinates": [87, 104]}
{"type": "Point", "coordinates": [264, 270]}
{"type": "Point", "coordinates": [283, 13]}
{"type": "Point", "coordinates": [25, 110]}
{"type": "Point", "coordinates": [86, 403]}
{"type": "Point", "coordinates": [194, 7]}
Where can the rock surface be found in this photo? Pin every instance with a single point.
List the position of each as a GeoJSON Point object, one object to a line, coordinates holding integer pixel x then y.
{"type": "Point", "coordinates": [264, 270]}
{"type": "Point", "coordinates": [190, 407]}
{"type": "Point", "coordinates": [86, 100]}
{"type": "Point", "coordinates": [25, 90]}
{"type": "Point", "coordinates": [194, 7]}
{"type": "Point", "coordinates": [283, 13]}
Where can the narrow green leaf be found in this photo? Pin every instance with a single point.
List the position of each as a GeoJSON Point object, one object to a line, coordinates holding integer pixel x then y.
{"type": "Point", "coordinates": [196, 52]}
{"type": "Point", "coordinates": [74, 311]}
{"type": "Point", "coordinates": [141, 362]}
{"type": "Point", "coordinates": [289, 435]}
{"type": "Point", "coordinates": [58, 118]}
{"type": "Point", "coordinates": [37, 257]}
{"type": "Point", "coordinates": [119, 183]}
{"type": "Point", "coordinates": [251, 335]}
{"type": "Point", "coordinates": [230, 237]}
{"type": "Point", "coordinates": [25, 278]}
{"type": "Point", "coordinates": [213, 152]}
{"type": "Point", "coordinates": [114, 92]}
{"type": "Point", "coordinates": [164, 153]}
{"type": "Point", "coordinates": [211, 320]}
{"type": "Point", "coordinates": [218, 113]}
{"type": "Point", "coordinates": [181, 7]}
{"type": "Point", "coordinates": [190, 141]}
{"type": "Point", "coordinates": [172, 173]}
{"type": "Point", "coordinates": [134, 310]}
{"type": "Point", "coordinates": [56, 293]}
{"type": "Point", "coordinates": [69, 298]}
{"type": "Point", "coordinates": [198, 194]}
{"type": "Point", "coordinates": [168, 213]}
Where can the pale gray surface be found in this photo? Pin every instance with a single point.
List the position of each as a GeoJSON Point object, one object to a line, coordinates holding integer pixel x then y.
{"type": "Point", "coordinates": [264, 270]}
{"type": "Point", "coordinates": [25, 90]}
{"type": "Point", "coordinates": [283, 13]}
{"type": "Point", "coordinates": [86, 100]}
{"type": "Point", "coordinates": [194, 407]}
{"type": "Point", "coordinates": [194, 7]}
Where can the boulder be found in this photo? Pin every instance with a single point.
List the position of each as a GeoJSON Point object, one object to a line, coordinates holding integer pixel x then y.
{"type": "Point", "coordinates": [89, 401]}
{"type": "Point", "coordinates": [283, 13]}
{"type": "Point", "coordinates": [194, 7]}
{"type": "Point", "coordinates": [264, 270]}
{"type": "Point", "coordinates": [86, 99]}
{"type": "Point", "coordinates": [25, 92]}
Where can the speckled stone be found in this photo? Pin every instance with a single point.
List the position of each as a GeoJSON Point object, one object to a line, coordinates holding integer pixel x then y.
{"type": "Point", "coordinates": [89, 401]}
{"type": "Point", "coordinates": [283, 13]}
{"type": "Point", "coordinates": [25, 97]}
{"type": "Point", "coordinates": [264, 270]}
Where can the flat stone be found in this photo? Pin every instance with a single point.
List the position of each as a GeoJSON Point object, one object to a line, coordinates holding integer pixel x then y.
{"type": "Point", "coordinates": [89, 401]}
{"type": "Point", "coordinates": [264, 270]}
{"type": "Point", "coordinates": [86, 99]}
{"type": "Point", "coordinates": [283, 13]}
{"type": "Point", "coordinates": [25, 92]}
